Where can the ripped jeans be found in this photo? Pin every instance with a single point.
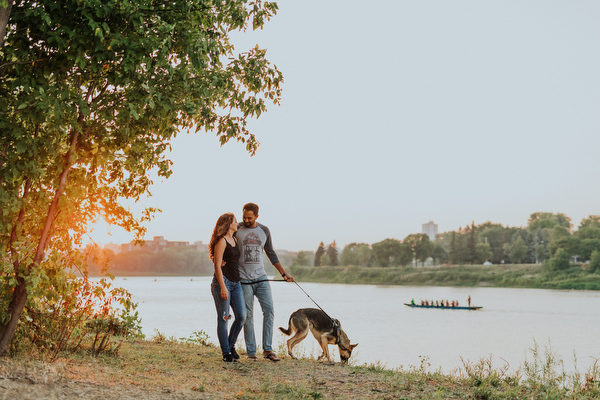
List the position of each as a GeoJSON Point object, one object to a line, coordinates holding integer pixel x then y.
{"type": "Point", "coordinates": [236, 301]}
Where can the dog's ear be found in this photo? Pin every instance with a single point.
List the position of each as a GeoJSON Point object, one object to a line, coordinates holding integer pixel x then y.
{"type": "Point", "coordinates": [352, 346]}
{"type": "Point", "coordinates": [337, 322]}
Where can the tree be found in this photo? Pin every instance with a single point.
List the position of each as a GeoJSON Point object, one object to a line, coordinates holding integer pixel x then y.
{"type": "Point", "coordinates": [387, 252]}
{"type": "Point", "coordinates": [438, 254]}
{"type": "Point", "coordinates": [471, 245]}
{"type": "Point", "coordinates": [453, 250]}
{"type": "Point", "coordinates": [419, 245]}
{"type": "Point", "coordinates": [356, 254]}
{"type": "Point", "coordinates": [5, 8]}
{"type": "Point", "coordinates": [333, 254]}
{"type": "Point", "coordinates": [560, 261]}
{"type": "Point", "coordinates": [302, 258]}
{"type": "Point", "coordinates": [595, 261]}
{"type": "Point", "coordinates": [589, 228]}
{"type": "Point", "coordinates": [587, 248]}
{"type": "Point", "coordinates": [547, 220]}
{"type": "Point", "coordinates": [90, 96]}
{"type": "Point", "coordinates": [517, 250]}
{"type": "Point", "coordinates": [484, 252]}
{"type": "Point", "coordinates": [325, 261]}
{"type": "Point", "coordinates": [319, 253]}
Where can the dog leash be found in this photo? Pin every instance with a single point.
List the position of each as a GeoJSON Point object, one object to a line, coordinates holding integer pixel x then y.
{"type": "Point", "coordinates": [331, 319]}
{"type": "Point", "coordinates": [263, 280]}
{"type": "Point", "coordinates": [307, 295]}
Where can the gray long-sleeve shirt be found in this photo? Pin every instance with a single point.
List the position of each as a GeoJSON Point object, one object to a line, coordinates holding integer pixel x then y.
{"type": "Point", "coordinates": [252, 243]}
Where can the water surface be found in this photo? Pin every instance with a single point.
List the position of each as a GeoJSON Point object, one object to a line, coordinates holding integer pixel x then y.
{"type": "Point", "coordinates": [392, 334]}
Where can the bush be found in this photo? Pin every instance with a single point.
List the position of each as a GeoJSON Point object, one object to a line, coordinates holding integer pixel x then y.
{"type": "Point", "coordinates": [560, 261]}
{"type": "Point", "coordinates": [595, 261]}
{"type": "Point", "coordinates": [83, 315]}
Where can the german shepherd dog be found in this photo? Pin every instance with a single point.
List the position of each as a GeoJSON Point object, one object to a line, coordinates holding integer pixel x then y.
{"type": "Point", "coordinates": [326, 330]}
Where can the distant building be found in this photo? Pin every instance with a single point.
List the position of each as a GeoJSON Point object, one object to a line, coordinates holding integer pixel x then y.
{"type": "Point", "coordinates": [200, 246]}
{"type": "Point", "coordinates": [113, 247]}
{"type": "Point", "coordinates": [431, 229]}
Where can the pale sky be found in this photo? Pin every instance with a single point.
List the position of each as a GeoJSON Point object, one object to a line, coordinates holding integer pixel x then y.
{"type": "Point", "coordinates": [395, 113]}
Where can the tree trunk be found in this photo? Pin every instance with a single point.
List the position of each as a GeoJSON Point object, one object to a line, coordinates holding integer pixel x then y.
{"type": "Point", "coordinates": [4, 16]}
{"type": "Point", "coordinates": [19, 298]}
{"type": "Point", "coordinates": [15, 308]}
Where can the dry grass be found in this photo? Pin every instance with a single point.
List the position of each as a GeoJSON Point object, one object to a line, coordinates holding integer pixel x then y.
{"type": "Point", "coordinates": [170, 369]}
{"type": "Point", "coordinates": [174, 370]}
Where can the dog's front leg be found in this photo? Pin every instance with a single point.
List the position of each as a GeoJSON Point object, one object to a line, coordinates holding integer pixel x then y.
{"type": "Point", "coordinates": [325, 346]}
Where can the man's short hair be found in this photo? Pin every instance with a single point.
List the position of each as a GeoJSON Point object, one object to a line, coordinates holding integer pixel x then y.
{"type": "Point", "coordinates": [251, 207]}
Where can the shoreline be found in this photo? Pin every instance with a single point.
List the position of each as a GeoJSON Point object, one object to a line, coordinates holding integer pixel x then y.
{"type": "Point", "coordinates": [531, 276]}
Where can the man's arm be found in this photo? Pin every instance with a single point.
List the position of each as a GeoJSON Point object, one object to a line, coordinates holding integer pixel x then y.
{"type": "Point", "coordinates": [273, 256]}
{"type": "Point", "coordinates": [284, 274]}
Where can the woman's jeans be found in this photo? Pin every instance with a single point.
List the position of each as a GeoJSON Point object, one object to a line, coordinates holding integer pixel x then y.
{"type": "Point", "coordinates": [236, 301]}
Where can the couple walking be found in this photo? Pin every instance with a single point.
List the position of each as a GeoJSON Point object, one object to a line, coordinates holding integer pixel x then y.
{"type": "Point", "coordinates": [237, 254]}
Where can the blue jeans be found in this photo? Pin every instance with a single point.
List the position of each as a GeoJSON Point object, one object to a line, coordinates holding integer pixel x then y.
{"type": "Point", "coordinates": [262, 291]}
{"type": "Point", "coordinates": [236, 301]}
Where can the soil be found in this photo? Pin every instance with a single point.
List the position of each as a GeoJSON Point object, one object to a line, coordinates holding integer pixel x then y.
{"type": "Point", "coordinates": [147, 370]}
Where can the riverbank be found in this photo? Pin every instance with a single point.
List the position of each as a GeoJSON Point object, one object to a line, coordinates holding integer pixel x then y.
{"type": "Point", "coordinates": [170, 369]}
{"type": "Point", "coordinates": [506, 275]}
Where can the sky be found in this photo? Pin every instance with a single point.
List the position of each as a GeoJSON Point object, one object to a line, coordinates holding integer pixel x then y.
{"type": "Point", "coordinates": [399, 113]}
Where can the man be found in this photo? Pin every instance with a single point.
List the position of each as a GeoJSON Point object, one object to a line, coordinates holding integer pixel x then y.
{"type": "Point", "coordinates": [253, 238]}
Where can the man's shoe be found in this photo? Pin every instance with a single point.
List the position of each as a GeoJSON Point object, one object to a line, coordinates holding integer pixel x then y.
{"type": "Point", "coordinates": [272, 356]}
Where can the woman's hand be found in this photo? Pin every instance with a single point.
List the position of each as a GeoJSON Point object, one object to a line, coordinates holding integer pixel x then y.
{"type": "Point", "coordinates": [224, 293]}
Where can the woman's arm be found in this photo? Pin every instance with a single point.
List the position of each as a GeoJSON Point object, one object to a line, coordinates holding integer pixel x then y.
{"type": "Point", "coordinates": [218, 260]}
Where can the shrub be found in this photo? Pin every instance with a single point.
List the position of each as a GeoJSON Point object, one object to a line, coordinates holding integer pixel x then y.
{"type": "Point", "coordinates": [595, 261]}
{"type": "Point", "coordinates": [81, 315]}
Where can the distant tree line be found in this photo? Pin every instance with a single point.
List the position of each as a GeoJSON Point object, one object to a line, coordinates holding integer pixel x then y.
{"type": "Point", "coordinates": [185, 261]}
{"type": "Point", "coordinates": [548, 238]}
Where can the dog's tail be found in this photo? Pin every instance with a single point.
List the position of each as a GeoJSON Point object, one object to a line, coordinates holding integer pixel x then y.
{"type": "Point", "coordinates": [287, 331]}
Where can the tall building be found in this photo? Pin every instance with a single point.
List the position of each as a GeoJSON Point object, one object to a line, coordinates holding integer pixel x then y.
{"type": "Point", "coordinates": [431, 229]}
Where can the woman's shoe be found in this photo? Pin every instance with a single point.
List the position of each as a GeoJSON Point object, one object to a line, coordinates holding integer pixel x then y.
{"type": "Point", "coordinates": [229, 358]}
{"type": "Point", "coordinates": [235, 354]}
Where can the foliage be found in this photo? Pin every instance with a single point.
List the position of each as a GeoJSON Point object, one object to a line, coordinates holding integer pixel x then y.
{"type": "Point", "coordinates": [595, 261]}
{"type": "Point", "coordinates": [319, 253]}
{"type": "Point", "coordinates": [303, 258]}
{"type": "Point", "coordinates": [507, 275]}
{"type": "Point", "coordinates": [419, 245]}
{"type": "Point", "coordinates": [391, 252]}
{"type": "Point", "coordinates": [544, 220]}
{"type": "Point", "coordinates": [325, 260]}
{"type": "Point", "coordinates": [92, 315]}
{"type": "Point", "coordinates": [332, 253]}
{"type": "Point", "coordinates": [559, 262]}
{"type": "Point", "coordinates": [356, 254]}
{"type": "Point", "coordinates": [517, 250]}
{"type": "Point", "coordinates": [197, 337]}
{"type": "Point", "coordinates": [484, 252]}
{"type": "Point", "coordinates": [90, 96]}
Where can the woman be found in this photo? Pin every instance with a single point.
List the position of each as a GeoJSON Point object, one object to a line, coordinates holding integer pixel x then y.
{"type": "Point", "coordinates": [226, 288]}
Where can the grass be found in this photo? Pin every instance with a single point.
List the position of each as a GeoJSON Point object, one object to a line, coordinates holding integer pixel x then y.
{"type": "Point", "coordinates": [506, 275]}
{"type": "Point", "coordinates": [166, 368]}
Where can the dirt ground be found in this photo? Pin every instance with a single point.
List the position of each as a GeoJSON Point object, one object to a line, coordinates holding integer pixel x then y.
{"type": "Point", "coordinates": [146, 370]}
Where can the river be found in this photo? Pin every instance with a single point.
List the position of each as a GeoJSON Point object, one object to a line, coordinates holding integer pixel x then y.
{"type": "Point", "coordinates": [392, 335]}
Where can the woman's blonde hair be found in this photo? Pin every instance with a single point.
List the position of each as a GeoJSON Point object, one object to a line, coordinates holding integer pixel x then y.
{"type": "Point", "coordinates": [221, 229]}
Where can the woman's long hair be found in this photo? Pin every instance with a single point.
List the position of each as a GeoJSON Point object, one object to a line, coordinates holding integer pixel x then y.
{"type": "Point", "coordinates": [221, 229]}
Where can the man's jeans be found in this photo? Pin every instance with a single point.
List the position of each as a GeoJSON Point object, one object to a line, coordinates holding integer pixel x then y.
{"type": "Point", "coordinates": [236, 301]}
{"type": "Point", "coordinates": [262, 291]}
